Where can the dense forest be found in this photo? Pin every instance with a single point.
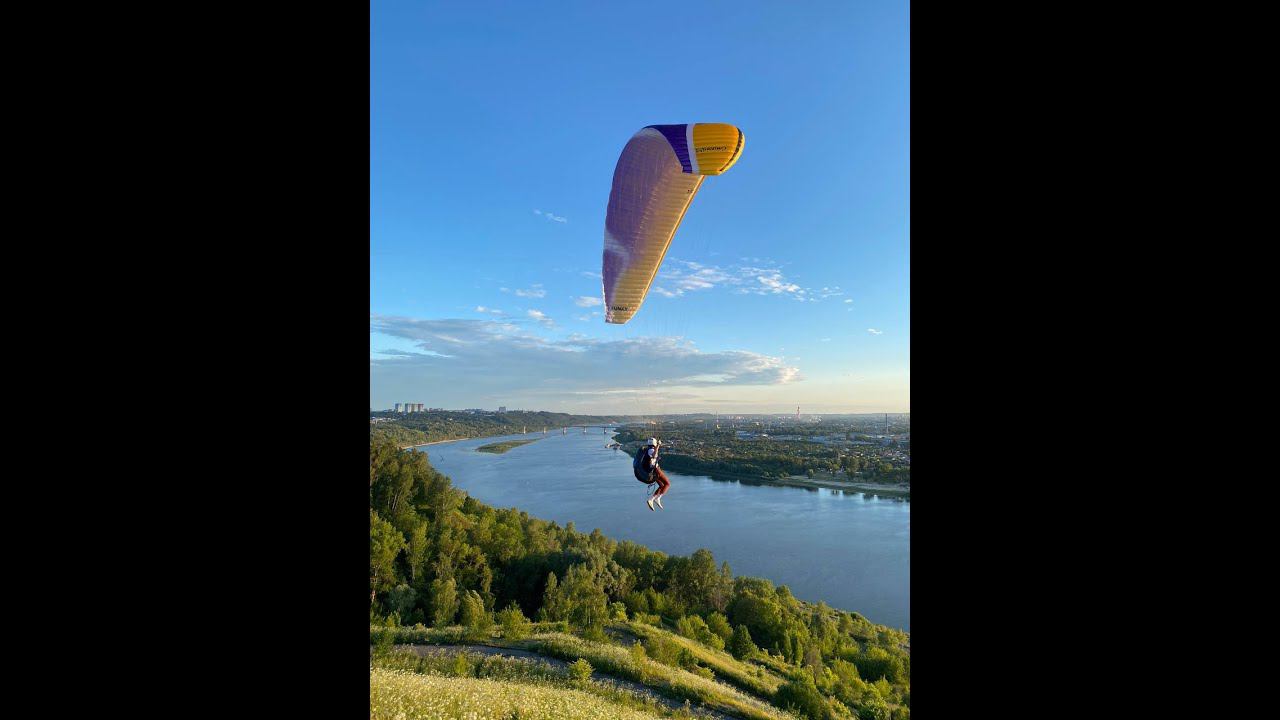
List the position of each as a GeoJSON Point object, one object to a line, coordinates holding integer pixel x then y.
{"type": "Point", "coordinates": [433, 425]}
{"type": "Point", "coordinates": [439, 559]}
{"type": "Point", "coordinates": [702, 451]}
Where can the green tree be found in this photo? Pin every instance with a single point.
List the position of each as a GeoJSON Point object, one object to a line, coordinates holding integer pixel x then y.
{"type": "Point", "coordinates": [418, 553]}
{"type": "Point", "coordinates": [401, 600]}
{"type": "Point", "coordinates": [740, 645]}
{"type": "Point", "coordinates": [579, 599]}
{"type": "Point", "coordinates": [444, 601]}
{"type": "Point", "coordinates": [551, 606]}
{"type": "Point", "coordinates": [473, 615]}
{"type": "Point", "coordinates": [719, 625]}
{"type": "Point", "coordinates": [385, 543]}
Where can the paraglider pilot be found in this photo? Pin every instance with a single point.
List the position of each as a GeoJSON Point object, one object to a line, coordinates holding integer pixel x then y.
{"type": "Point", "coordinates": [647, 471]}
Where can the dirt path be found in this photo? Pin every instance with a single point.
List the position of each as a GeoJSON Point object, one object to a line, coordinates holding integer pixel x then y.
{"type": "Point", "coordinates": [597, 676]}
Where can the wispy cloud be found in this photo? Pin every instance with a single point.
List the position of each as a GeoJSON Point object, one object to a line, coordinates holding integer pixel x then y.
{"type": "Point", "coordinates": [773, 283]}
{"type": "Point", "coordinates": [489, 310]}
{"type": "Point", "coordinates": [542, 318]}
{"type": "Point", "coordinates": [592, 274]}
{"type": "Point", "coordinates": [551, 216]}
{"type": "Point", "coordinates": [587, 301]}
{"type": "Point", "coordinates": [874, 331]}
{"type": "Point", "coordinates": [534, 291]}
{"type": "Point", "coordinates": [488, 356]}
{"type": "Point", "coordinates": [678, 277]}
{"type": "Point", "coordinates": [847, 301]}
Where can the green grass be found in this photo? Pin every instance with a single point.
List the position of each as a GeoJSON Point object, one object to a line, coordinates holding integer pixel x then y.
{"type": "Point", "coordinates": [752, 678]}
{"type": "Point", "coordinates": [500, 447]}
{"type": "Point", "coordinates": [672, 682]}
{"type": "Point", "coordinates": [401, 695]}
{"type": "Point", "coordinates": [521, 670]}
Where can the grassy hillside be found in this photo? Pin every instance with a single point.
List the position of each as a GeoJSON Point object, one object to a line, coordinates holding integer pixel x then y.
{"type": "Point", "coordinates": [396, 695]}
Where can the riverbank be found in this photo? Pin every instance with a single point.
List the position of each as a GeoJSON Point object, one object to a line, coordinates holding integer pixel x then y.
{"type": "Point", "coordinates": [800, 481]}
{"type": "Point", "coordinates": [881, 489]}
{"type": "Point", "coordinates": [433, 442]}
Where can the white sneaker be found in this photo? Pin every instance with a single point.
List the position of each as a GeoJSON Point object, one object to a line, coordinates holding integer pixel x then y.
{"type": "Point", "coordinates": [649, 502]}
{"type": "Point", "coordinates": [658, 500]}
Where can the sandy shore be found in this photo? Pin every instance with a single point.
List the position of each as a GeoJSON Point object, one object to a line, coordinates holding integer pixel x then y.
{"type": "Point", "coordinates": [436, 442]}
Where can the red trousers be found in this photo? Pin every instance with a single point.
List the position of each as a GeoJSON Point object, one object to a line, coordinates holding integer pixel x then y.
{"type": "Point", "coordinates": [663, 483]}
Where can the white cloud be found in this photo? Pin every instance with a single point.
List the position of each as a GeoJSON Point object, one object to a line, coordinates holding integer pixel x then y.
{"type": "Point", "coordinates": [551, 216]}
{"type": "Point", "coordinates": [492, 356]}
{"type": "Point", "coordinates": [587, 301]}
{"type": "Point", "coordinates": [592, 274]}
{"type": "Point", "coordinates": [874, 331]}
{"type": "Point", "coordinates": [534, 291]}
{"type": "Point", "coordinates": [542, 318]}
{"type": "Point", "coordinates": [773, 283]}
{"type": "Point", "coordinates": [847, 301]}
{"type": "Point", "coordinates": [489, 310]}
{"type": "Point", "coordinates": [681, 276]}
{"type": "Point", "coordinates": [678, 277]}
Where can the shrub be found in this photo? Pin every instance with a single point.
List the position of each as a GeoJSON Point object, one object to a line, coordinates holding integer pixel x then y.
{"type": "Point", "coordinates": [618, 611]}
{"type": "Point", "coordinates": [647, 618]}
{"type": "Point", "coordinates": [580, 671]}
{"type": "Point", "coordinates": [384, 639]}
{"type": "Point", "coordinates": [695, 628]}
{"type": "Point", "coordinates": [663, 650]}
{"type": "Point", "coordinates": [872, 707]}
{"type": "Point", "coordinates": [801, 697]}
{"type": "Point", "coordinates": [638, 657]}
{"type": "Point", "coordinates": [515, 626]}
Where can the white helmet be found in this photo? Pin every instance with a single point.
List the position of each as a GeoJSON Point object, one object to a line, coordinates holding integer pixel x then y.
{"type": "Point", "coordinates": [653, 442]}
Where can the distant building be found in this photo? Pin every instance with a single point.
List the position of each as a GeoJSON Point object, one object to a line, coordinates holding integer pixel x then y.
{"type": "Point", "coordinates": [502, 408]}
{"type": "Point", "coordinates": [397, 407]}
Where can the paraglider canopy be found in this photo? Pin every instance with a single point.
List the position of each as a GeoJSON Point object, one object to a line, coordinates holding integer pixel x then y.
{"type": "Point", "coordinates": [660, 170]}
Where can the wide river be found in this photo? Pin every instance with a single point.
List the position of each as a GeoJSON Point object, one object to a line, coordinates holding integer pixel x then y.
{"type": "Point", "coordinates": [850, 550]}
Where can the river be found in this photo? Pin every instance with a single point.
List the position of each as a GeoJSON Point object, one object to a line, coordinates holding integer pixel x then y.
{"type": "Point", "coordinates": [849, 550]}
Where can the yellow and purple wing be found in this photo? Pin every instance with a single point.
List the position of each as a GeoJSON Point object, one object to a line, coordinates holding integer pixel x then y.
{"type": "Point", "coordinates": [653, 184]}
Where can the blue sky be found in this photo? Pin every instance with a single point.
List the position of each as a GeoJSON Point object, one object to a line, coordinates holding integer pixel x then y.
{"type": "Point", "coordinates": [495, 128]}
